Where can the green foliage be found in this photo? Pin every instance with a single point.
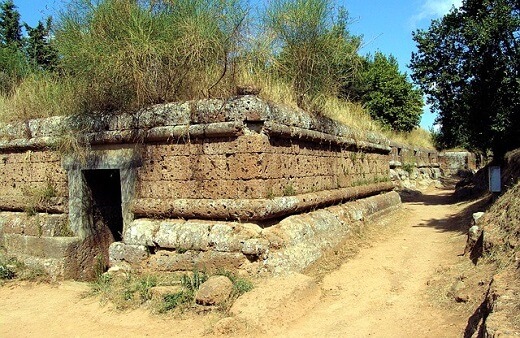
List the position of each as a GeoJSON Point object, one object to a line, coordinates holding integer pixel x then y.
{"type": "Point", "coordinates": [193, 282]}
{"type": "Point", "coordinates": [468, 64]}
{"type": "Point", "coordinates": [388, 95]}
{"type": "Point", "coordinates": [19, 56]}
{"type": "Point", "coordinates": [240, 285]}
{"type": "Point", "coordinates": [175, 300]}
{"type": "Point", "coordinates": [313, 50]}
{"type": "Point", "coordinates": [289, 190]}
{"type": "Point", "coordinates": [6, 272]}
{"type": "Point", "coordinates": [190, 284]}
{"type": "Point", "coordinates": [137, 53]}
{"type": "Point", "coordinates": [13, 67]}
{"type": "Point", "coordinates": [39, 48]}
{"type": "Point", "coordinates": [11, 268]}
{"type": "Point", "coordinates": [124, 291]}
{"type": "Point", "coordinates": [408, 167]}
{"type": "Point", "coordinates": [13, 64]}
{"type": "Point", "coordinates": [10, 29]}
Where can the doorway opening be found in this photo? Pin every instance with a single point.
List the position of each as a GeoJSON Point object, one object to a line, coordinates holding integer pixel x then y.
{"type": "Point", "coordinates": [104, 209]}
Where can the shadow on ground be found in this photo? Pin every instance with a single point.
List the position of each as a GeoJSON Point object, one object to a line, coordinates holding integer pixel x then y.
{"type": "Point", "coordinates": [458, 222]}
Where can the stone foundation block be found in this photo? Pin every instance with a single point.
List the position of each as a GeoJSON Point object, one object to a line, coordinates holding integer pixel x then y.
{"type": "Point", "coordinates": [190, 235]}
{"type": "Point", "coordinates": [209, 261]}
{"type": "Point", "coordinates": [39, 225]}
{"type": "Point", "coordinates": [44, 247]}
{"type": "Point", "coordinates": [141, 232]}
{"type": "Point", "coordinates": [133, 254]}
{"type": "Point", "coordinates": [255, 247]}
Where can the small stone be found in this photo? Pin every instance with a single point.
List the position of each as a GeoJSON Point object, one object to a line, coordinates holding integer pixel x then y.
{"type": "Point", "coordinates": [120, 268]}
{"type": "Point", "coordinates": [477, 216]}
{"type": "Point", "coordinates": [214, 291]}
{"type": "Point", "coordinates": [474, 233]}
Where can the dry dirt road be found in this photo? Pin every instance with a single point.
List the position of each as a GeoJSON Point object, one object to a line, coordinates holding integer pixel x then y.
{"type": "Point", "coordinates": [381, 292]}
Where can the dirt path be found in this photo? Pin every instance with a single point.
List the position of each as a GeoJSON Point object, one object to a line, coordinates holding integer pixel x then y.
{"type": "Point", "coordinates": [382, 292]}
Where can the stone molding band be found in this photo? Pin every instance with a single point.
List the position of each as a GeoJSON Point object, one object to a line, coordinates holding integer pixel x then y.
{"type": "Point", "coordinates": [251, 209]}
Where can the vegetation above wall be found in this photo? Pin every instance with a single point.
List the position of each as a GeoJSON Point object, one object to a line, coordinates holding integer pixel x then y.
{"type": "Point", "coordinates": [110, 55]}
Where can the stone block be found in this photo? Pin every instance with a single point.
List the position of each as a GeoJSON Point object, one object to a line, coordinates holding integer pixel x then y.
{"type": "Point", "coordinates": [191, 235]}
{"type": "Point", "coordinates": [256, 247]}
{"type": "Point", "coordinates": [209, 261]}
{"type": "Point", "coordinates": [40, 225]}
{"type": "Point", "coordinates": [141, 232]}
{"type": "Point", "coordinates": [133, 254]}
{"type": "Point", "coordinates": [43, 247]}
{"type": "Point", "coordinates": [223, 238]}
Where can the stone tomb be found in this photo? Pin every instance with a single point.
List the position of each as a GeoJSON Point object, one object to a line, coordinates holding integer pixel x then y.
{"type": "Point", "coordinates": [237, 184]}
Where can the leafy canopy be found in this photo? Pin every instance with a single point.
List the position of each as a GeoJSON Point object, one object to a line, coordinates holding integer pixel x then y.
{"type": "Point", "coordinates": [468, 63]}
{"type": "Point", "coordinates": [387, 93]}
{"type": "Point", "coordinates": [10, 29]}
{"type": "Point", "coordinates": [20, 55]}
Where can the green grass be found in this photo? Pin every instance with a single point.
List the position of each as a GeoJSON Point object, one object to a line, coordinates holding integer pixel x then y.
{"type": "Point", "coordinates": [408, 167]}
{"type": "Point", "coordinates": [13, 269]}
{"type": "Point", "coordinates": [7, 271]}
{"type": "Point", "coordinates": [132, 290]}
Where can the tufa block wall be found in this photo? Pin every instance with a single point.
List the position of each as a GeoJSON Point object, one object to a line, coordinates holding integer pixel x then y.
{"type": "Point", "coordinates": [208, 183]}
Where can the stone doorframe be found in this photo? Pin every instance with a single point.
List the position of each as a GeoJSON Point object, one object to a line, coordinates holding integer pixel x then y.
{"type": "Point", "coordinates": [126, 160]}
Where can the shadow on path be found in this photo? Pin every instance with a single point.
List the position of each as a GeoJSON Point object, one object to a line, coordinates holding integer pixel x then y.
{"type": "Point", "coordinates": [458, 222]}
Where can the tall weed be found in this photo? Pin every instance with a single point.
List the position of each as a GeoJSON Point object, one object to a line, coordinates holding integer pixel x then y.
{"type": "Point", "coordinates": [41, 95]}
{"type": "Point", "coordinates": [140, 53]}
{"type": "Point", "coordinates": [313, 50]}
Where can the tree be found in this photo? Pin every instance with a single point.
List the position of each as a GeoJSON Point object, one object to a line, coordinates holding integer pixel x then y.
{"type": "Point", "coordinates": [39, 49]}
{"type": "Point", "coordinates": [387, 94]}
{"type": "Point", "coordinates": [13, 63]}
{"type": "Point", "coordinates": [10, 29]}
{"type": "Point", "coordinates": [468, 63]}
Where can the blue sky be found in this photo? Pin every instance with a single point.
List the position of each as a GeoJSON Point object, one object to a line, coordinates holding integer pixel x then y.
{"type": "Point", "coordinates": [386, 25]}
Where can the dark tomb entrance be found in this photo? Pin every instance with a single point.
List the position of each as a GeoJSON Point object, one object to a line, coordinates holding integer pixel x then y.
{"type": "Point", "coordinates": [103, 209]}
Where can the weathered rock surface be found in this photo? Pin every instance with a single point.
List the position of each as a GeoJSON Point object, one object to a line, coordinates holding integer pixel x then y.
{"type": "Point", "coordinates": [214, 291]}
{"type": "Point", "coordinates": [501, 305]}
{"type": "Point", "coordinates": [133, 254]}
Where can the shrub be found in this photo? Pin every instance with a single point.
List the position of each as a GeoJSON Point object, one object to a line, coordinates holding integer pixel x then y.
{"type": "Point", "coordinates": [315, 51]}
{"type": "Point", "coordinates": [6, 272]}
{"type": "Point", "coordinates": [137, 53]}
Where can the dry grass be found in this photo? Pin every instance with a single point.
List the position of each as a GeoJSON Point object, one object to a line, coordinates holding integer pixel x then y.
{"type": "Point", "coordinates": [40, 95]}
{"type": "Point", "coordinates": [45, 95]}
{"type": "Point", "coordinates": [417, 137]}
{"type": "Point", "coordinates": [125, 55]}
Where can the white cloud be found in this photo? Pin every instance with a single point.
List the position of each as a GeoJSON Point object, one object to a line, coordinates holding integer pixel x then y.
{"type": "Point", "coordinates": [432, 9]}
